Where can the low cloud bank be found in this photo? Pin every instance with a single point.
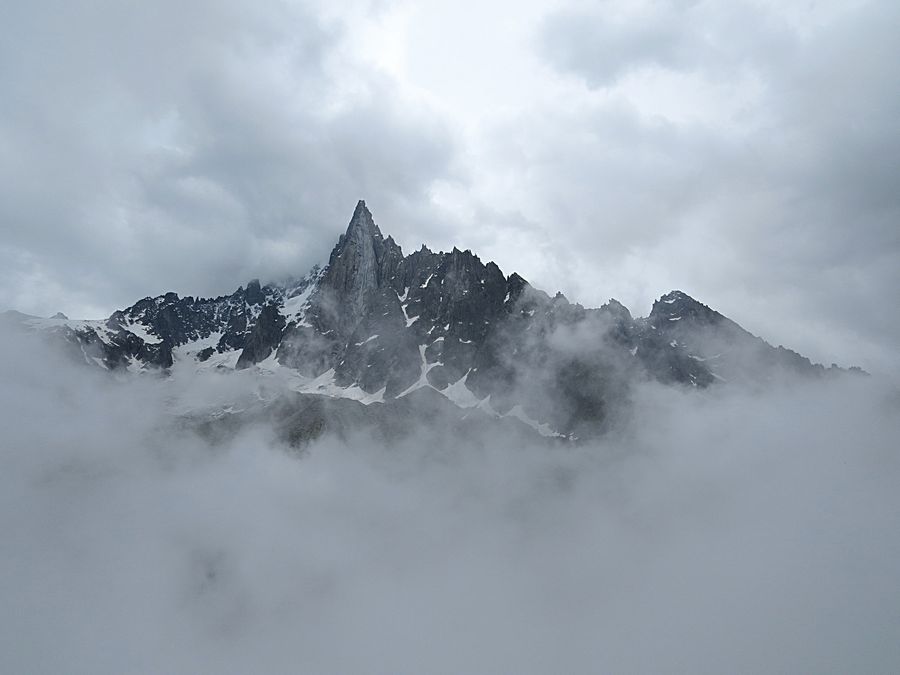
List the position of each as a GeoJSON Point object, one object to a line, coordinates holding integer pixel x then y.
{"type": "Point", "coordinates": [720, 531]}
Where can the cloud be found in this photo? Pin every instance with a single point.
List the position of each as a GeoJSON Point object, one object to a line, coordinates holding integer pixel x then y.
{"type": "Point", "coordinates": [606, 42]}
{"type": "Point", "coordinates": [740, 153]}
{"type": "Point", "coordinates": [189, 147]}
{"type": "Point", "coordinates": [717, 529]}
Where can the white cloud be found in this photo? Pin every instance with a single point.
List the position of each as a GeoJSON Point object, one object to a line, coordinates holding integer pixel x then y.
{"type": "Point", "coordinates": [714, 530]}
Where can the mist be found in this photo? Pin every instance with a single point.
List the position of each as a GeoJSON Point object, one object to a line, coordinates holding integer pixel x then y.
{"type": "Point", "coordinates": [724, 530]}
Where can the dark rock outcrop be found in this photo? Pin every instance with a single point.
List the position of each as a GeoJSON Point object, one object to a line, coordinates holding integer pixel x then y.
{"type": "Point", "coordinates": [263, 338]}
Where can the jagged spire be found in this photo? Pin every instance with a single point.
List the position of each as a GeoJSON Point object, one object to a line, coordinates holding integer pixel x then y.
{"type": "Point", "coordinates": [362, 262]}
{"type": "Point", "coordinates": [362, 220]}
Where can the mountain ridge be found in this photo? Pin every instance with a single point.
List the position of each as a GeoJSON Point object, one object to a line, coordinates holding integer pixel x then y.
{"type": "Point", "coordinates": [374, 324]}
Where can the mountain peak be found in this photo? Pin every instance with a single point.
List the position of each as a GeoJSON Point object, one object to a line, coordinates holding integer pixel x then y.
{"type": "Point", "coordinates": [363, 222]}
{"type": "Point", "coordinates": [675, 296]}
{"type": "Point", "coordinates": [675, 305]}
{"type": "Point", "coordinates": [362, 262]}
{"type": "Point", "coordinates": [362, 235]}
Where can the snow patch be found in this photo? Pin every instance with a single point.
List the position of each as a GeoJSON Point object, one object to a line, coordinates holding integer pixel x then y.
{"type": "Point", "coordinates": [409, 322]}
{"type": "Point", "coordinates": [189, 350]}
{"type": "Point", "coordinates": [142, 332]}
{"type": "Point", "coordinates": [542, 428]}
{"type": "Point", "coordinates": [96, 326]}
{"type": "Point", "coordinates": [423, 375]}
{"type": "Point", "coordinates": [460, 394]}
{"type": "Point", "coordinates": [295, 307]}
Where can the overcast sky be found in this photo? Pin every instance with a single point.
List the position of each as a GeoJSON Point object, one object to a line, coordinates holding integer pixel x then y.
{"type": "Point", "coordinates": [747, 153]}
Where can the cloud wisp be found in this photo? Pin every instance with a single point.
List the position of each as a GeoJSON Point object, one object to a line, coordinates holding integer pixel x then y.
{"type": "Point", "coordinates": [747, 531]}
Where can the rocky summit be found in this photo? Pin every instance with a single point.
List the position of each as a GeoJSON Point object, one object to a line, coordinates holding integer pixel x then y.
{"type": "Point", "coordinates": [378, 327]}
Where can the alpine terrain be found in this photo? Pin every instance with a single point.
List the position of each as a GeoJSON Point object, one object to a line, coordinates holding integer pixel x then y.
{"type": "Point", "coordinates": [375, 336]}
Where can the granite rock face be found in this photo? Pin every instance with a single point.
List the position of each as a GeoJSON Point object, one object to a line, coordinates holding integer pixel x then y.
{"type": "Point", "coordinates": [362, 263]}
{"type": "Point", "coordinates": [376, 325]}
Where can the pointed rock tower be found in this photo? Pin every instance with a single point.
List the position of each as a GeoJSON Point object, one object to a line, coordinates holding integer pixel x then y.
{"type": "Point", "coordinates": [362, 263]}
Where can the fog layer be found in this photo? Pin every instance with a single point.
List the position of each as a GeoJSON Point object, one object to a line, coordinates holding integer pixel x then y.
{"type": "Point", "coordinates": [720, 532]}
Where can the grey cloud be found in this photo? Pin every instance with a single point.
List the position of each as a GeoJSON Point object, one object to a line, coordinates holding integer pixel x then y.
{"type": "Point", "coordinates": [785, 218]}
{"type": "Point", "coordinates": [716, 529]}
{"type": "Point", "coordinates": [188, 147]}
{"type": "Point", "coordinates": [602, 45]}
{"type": "Point", "coordinates": [603, 50]}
